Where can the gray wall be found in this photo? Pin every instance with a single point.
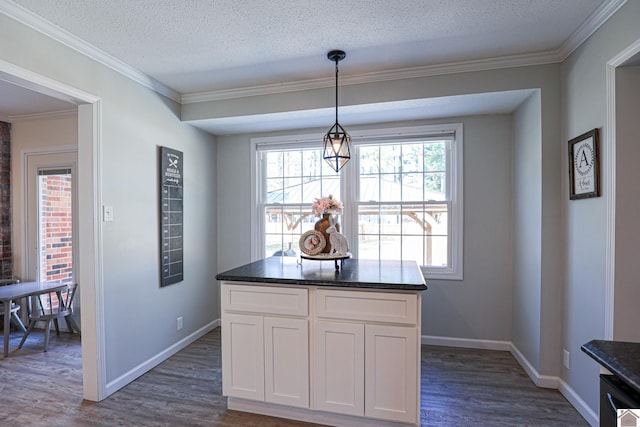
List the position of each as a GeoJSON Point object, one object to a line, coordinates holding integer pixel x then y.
{"type": "Point", "coordinates": [527, 228]}
{"type": "Point", "coordinates": [479, 307]}
{"type": "Point", "coordinates": [139, 316]}
{"type": "Point", "coordinates": [583, 78]}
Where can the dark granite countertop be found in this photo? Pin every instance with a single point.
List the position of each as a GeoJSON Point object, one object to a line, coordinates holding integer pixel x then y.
{"type": "Point", "coordinates": [621, 358]}
{"type": "Point", "coordinates": [355, 273]}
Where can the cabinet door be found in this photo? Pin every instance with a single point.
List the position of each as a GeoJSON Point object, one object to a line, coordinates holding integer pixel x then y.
{"type": "Point", "coordinates": [392, 372]}
{"type": "Point", "coordinates": [243, 356]}
{"type": "Point", "coordinates": [286, 343]}
{"type": "Point", "coordinates": [339, 370]}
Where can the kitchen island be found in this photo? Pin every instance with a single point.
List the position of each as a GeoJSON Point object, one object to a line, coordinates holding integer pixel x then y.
{"type": "Point", "coordinates": [304, 341]}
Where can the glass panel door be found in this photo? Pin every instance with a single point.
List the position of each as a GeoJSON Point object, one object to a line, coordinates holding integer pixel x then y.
{"type": "Point", "coordinates": [51, 219]}
{"type": "Point", "coordinates": [55, 225]}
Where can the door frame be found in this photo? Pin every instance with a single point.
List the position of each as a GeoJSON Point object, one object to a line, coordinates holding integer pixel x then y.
{"type": "Point", "coordinates": [90, 241]}
{"type": "Point", "coordinates": [29, 159]}
{"type": "Point", "coordinates": [609, 179]}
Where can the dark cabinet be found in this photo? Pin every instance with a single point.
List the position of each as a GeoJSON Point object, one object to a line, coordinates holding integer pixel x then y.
{"type": "Point", "coordinates": [615, 394]}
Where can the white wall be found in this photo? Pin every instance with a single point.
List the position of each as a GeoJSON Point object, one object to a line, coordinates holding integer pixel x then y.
{"type": "Point", "coordinates": [139, 316]}
{"type": "Point", "coordinates": [583, 78]}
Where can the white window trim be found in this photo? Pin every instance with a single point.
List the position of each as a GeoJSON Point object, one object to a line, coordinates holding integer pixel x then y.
{"type": "Point", "coordinates": [348, 189]}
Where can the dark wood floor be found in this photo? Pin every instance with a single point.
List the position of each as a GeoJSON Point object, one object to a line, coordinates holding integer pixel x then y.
{"type": "Point", "coordinates": [459, 387]}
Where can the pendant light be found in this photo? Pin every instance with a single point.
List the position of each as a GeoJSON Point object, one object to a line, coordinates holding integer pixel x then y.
{"type": "Point", "coordinates": [336, 142]}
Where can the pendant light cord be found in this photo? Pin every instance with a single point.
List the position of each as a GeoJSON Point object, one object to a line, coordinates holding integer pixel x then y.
{"type": "Point", "coordinates": [337, 90]}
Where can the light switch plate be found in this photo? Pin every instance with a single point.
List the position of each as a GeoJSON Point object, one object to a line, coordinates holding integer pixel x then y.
{"type": "Point", "coordinates": [107, 213]}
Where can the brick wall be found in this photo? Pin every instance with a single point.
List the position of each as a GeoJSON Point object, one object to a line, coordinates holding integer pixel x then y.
{"type": "Point", "coordinates": [56, 228]}
{"type": "Point", "coordinates": [6, 255]}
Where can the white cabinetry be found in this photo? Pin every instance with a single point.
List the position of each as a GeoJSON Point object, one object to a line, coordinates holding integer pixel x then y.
{"type": "Point", "coordinates": [365, 367]}
{"type": "Point", "coordinates": [243, 356]}
{"type": "Point", "coordinates": [339, 378]}
{"type": "Point", "coordinates": [264, 357]}
{"type": "Point", "coordinates": [336, 352]}
{"type": "Point", "coordinates": [391, 372]}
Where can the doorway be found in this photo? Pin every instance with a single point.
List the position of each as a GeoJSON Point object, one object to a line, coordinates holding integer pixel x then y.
{"type": "Point", "coordinates": [51, 196]}
{"type": "Point", "coordinates": [89, 226]}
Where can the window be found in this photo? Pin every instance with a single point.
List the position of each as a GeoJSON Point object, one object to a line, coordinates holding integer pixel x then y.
{"type": "Point", "coordinates": [55, 225]}
{"type": "Point", "coordinates": [292, 180]}
{"type": "Point", "coordinates": [402, 195]}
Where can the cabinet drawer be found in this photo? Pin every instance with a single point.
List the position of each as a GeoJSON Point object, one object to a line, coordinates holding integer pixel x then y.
{"type": "Point", "coordinates": [264, 299]}
{"type": "Point", "coordinates": [367, 306]}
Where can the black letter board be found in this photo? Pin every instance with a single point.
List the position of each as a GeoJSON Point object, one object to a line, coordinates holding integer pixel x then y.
{"type": "Point", "coordinates": [171, 236]}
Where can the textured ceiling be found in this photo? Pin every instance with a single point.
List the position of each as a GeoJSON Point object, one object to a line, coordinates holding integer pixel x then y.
{"type": "Point", "coordinates": [213, 49]}
{"type": "Point", "coordinates": [202, 45]}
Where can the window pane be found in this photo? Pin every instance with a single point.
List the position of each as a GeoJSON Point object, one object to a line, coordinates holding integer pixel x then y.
{"type": "Point", "coordinates": [55, 226]}
{"type": "Point", "coordinates": [411, 175]}
{"type": "Point", "coordinates": [293, 190]}
{"type": "Point", "coordinates": [369, 160]}
{"type": "Point", "coordinates": [390, 190]}
{"type": "Point", "coordinates": [273, 244]}
{"type": "Point", "coordinates": [369, 220]}
{"type": "Point", "coordinates": [412, 187]}
{"type": "Point", "coordinates": [390, 219]}
{"type": "Point", "coordinates": [273, 220]}
{"type": "Point", "coordinates": [435, 157]}
{"type": "Point", "coordinates": [413, 249]}
{"type": "Point", "coordinates": [370, 188]}
{"type": "Point", "coordinates": [413, 220]}
{"type": "Point", "coordinates": [389, 158]}
{"type": "Point", "coordinates": [436, 251]}
{"type": "Point", "coordinates": [292, 163]}
{"type": "Point", "coordinates": [435, 186]}
{"type": "Point", "coordinates": [368, 246]}
{"type": "Point", "coordinates": [295, 178]}
{"type": "Point", "coordinates": [412, 158]}
{"type": "Point", "coordinates": [330, 185]}
{"type": "Point", "coordinates": [275, 191]}
{"type": "Point", "coordinates": [274, 163]}
{"type": "Point", "coordinates": [311, 164]}
{"type": "Point", "coordinates": [390, 247]}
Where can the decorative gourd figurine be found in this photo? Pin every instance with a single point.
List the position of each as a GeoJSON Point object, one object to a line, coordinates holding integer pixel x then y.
{"type": "Point", "coordinates": [339, 244]}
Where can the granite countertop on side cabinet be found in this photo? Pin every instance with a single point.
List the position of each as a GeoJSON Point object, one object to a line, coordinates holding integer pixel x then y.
{"type": "Point", "coordinates": [355, 273]}
{"type": "Point", "coordinates": [620, 358]}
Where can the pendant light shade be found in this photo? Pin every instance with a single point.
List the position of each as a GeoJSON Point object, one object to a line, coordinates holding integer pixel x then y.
{"type": "Point", "coordinates": [337, 150]}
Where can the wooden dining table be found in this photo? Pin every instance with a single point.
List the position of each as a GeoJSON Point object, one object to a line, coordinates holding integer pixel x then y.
{"type": "Point", "coordinates": [11, 293]}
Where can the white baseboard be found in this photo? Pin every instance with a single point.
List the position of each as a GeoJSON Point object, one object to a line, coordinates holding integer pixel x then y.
{"type": "Point", "coordinates": [465, 343]}
{"type": "Point", "coordinates": [580, 405]}
{"type": "Point", "coordinates": [154, 361]}
{"type": "Point", "coordinates": [545, 381]}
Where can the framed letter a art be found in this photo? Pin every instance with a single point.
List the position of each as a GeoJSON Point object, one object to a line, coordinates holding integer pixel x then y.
{"type": "Point", "coordinates": [584, 166]}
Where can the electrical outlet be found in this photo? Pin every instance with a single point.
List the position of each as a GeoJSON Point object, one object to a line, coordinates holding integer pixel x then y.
{"type": "Point", "coordinates": [179, 323]}
{"type": "Point", "coordinates": [565, 359]}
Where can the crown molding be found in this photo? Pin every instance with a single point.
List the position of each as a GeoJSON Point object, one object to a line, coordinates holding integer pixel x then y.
{"type": "Point", "coordinates": [376, 76]}
{"type": "Point", "coordinates": [30, 19]}
{"type": "Point", "coordinates": [45, 115]}
{"type": "Point", "coordinates": [595, 21]}
{"type": "Point", "coordinates": [590, 26]}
